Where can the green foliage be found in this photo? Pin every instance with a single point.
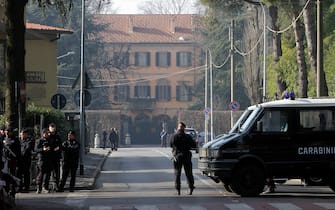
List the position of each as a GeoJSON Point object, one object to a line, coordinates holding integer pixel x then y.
{"type": "Point", "coordinates": [37, 116]}
{"type": "Point", "coordinates": [329, 63]}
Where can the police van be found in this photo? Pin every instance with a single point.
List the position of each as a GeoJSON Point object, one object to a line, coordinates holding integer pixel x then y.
{"type": "Point", "coordinates": [282, 139]}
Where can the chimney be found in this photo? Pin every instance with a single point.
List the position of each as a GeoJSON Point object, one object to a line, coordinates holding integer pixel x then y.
{"type": "Point", "coordinates": [173, 24]}
{"type": "Point", "coordinates": [131, 24]}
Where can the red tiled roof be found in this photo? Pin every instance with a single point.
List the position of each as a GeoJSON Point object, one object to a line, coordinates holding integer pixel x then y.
{"type": "Point", "coordinates": [35, 26]}
{"type": "Point", "coordinates": [153, 28]}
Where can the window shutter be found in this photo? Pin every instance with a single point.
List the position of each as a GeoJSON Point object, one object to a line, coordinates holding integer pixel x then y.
{"type": "Point", "coordinates": [136, 59]}
{"type": "Point", "coordinates": [148, 91]}
{"type": "Point", "coordinates": [156, 92]}
{"type": "Point", "coordinates": [189, 59]}
{"type": "Point", "coordinates": [169, 93]}
{"type": "Point", "coordinates": [157, 59]}
{"type": "Point", "coordinates": [148, 58]}
{"type": "Point", "coordinates": [136, 91]}
{"type": "Point", "coordinates": [168, 59]}
{"type": "Point", "coordinates": [178, 58]}
{"type": "Point", "coordinates": [178, 93]}
{"type": "Point", "coordinates": [189, 93]}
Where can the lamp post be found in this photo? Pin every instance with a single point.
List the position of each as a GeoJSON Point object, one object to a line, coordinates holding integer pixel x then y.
{"type": "Point", "coordinates": [82, 107]}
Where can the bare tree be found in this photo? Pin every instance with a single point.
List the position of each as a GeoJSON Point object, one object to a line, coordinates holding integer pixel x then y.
{"type": "Point", "coordinates": [166, 7]}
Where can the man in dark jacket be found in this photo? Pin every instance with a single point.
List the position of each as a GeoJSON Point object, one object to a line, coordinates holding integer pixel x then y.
{"type": "Point", "coordinates": [55, 144]}
{"type": "Point", "coordinates": [24, 163]}
{"type": "Point", "coordinates": [71, 149]}
{"type": "Point", "coordinates": [44, 162]}
{"type": "Point", "coordinates": [114, 139]}
{"type": "Point", "coordinates": [181, 144]}
{"type": "Point", "coordinates": [12, 150]}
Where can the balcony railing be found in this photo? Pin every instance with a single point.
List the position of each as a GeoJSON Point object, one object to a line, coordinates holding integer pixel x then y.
{"type": "Point", "coordinates": [35, 77]}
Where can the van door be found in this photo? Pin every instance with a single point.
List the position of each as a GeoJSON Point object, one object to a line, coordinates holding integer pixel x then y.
{"type": "Point", "coordinates": [272, 141]}
{"type": "Point", "coordinates": [315, 140]}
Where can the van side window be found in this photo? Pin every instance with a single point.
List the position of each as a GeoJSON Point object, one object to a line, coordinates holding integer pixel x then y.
{"type": "Point", "coordinates": [317, 120]}
{"type": "Point", "coordinates": [275, 121]}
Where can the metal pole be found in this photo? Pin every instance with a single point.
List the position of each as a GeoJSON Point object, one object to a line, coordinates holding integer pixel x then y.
{"type": "Point", "coordinates": [206, 99]}
{"type": "Point", "coordinates": [318, 47]}
{"type": "Point", "coordinates": [211, 89]}
{"type": "Point", "coordinates": [231, 70]}
{"type": "Point", "coordinates": [82, 107]}
{"type": "Point", "coordinates": [264, 52]}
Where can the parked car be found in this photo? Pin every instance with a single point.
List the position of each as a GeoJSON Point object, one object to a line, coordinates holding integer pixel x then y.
{"type": "Point", "coordinates": [194, 134]}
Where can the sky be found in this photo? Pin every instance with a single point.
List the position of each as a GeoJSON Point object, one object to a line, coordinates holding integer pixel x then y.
{"type": "Point", "coordinates": [127, 6]}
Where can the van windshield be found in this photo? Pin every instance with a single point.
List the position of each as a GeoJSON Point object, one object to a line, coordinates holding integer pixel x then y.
{"type": "Point", "coordinates": [245, 120]}
{"type": "Point", "coordinates": [240, 121]}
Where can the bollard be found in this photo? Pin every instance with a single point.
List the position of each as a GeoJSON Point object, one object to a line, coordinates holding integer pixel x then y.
{"type": "Point", "coordinates": [96, 141]}
{"type": "Point", "coordinates": [127, 139]}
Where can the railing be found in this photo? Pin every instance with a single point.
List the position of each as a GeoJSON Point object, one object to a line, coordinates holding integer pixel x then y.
{"type": "Point", "coordinates": [35, 77]}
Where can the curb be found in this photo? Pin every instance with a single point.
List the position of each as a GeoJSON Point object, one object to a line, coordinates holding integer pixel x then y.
{"type": "Point", "coordinates": [97, 171]}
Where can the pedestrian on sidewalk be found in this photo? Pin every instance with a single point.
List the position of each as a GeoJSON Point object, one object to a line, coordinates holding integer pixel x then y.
{"type": "Point", "coordinates": [55, 144]}
{"type": "Point", "coordinates": [114, 139]}
{"type": "Point", "coordinates": [44, 162]}
{"type": "Point", "coordinates": [104, 139]}
{"type": "Point", "coordinates": [71, 148]}
{"type": "Point", "coordinates": [181, 144]}
{"type": "Point", "coordinates": [24, 163]}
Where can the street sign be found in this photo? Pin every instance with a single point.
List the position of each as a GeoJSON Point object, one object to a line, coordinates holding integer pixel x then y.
{"type": "Point", "coordinates": [87, 98]}
{"type": "Point", "coordinates": [234, 106]}
{"type": "Point", "coordinates": [58, 101]}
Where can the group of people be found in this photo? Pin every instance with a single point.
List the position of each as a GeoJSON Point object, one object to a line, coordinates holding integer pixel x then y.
{"type": "Point", "coordinates": [113, 139]}
{"type": "Point", "coordinates": [51, 151]}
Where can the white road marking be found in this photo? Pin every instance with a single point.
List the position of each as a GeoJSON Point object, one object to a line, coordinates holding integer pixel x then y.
{"type": "Point", "coordinates": [285, 206]}
{"type": "Point", "coordinates": [326, 205]}
{"type": "Point", "coordinates": [238, 206]}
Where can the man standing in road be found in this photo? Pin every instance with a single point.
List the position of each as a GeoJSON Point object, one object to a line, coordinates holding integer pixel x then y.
{"type": "Point", "coordinates": [181, 144]}
{"type": "Point", "coordinates": [55, 144]}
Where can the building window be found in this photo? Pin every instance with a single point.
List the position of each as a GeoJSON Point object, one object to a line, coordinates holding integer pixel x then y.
{"type": "Point", "coordinates": [163, 59]}
{"type": "Point", "coordinates": [121, 92]}
{"type": "Point", "coordinates": [142, 58]}
{"type": "Point", "coordinates": [163, 93]}
{"type": "Point", "coordinates": [35, 77]}
{"type": "Point", "coordinates": [184, 59]}
{"type": "Point", "coordinates": [142, 91]}
{"type": "Point", "coordinates": [184, 92]}
{"type": "Point", "coordinates": [120, 60]}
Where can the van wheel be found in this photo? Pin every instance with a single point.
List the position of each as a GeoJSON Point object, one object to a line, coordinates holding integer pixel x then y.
{"type": "Point", "coordinates": [248, 180]}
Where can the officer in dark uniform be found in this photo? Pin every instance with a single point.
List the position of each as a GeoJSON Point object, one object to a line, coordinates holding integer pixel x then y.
{"type": "Point", "coordinates": [12, 150]}
{"type": "Point", "coordinates": [44, 162]}
{"type": "Point", "coordinates": [181, 144]}
{"type": "Point", "coordinates": [55, 144]}
{"type": "Point", "coordinates": [24, 163]}
{"type": "Point", "coordinates": [71, 148]}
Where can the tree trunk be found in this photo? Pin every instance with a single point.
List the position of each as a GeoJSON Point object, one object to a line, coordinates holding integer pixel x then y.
{"type": "Point", "coordinates": [310, 31]}
{"type": "Point", "coordinates": [252, 77]}
{"type": "Point", "coordinates": [277, 50]}
{"type": "Point", "coordinates": [302, 67]}
{"type": "Point", "coordinates": [15, 73]}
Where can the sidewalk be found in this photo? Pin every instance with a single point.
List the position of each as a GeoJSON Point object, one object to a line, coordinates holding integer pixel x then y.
{"type": "Point", "coordinates": [93, 162]}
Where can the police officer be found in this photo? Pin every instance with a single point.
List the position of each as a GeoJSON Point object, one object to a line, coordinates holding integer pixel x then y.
{"type": "Point", "coordinates": [55, 144]}
{"type": "Point", "coordinates": [181, 144]}
{"type": "Point", "coordinates": [24, 163]}
{"type": "Point", "coordinates": [71, 148]}
{"type": "Point", "coordinates": [12, 149]}
{"type": "Point", "coordinates": [44, 163]}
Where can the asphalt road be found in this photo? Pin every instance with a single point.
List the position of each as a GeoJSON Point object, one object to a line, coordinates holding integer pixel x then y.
{"type": "Point", "coordinates": [142, 178]}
